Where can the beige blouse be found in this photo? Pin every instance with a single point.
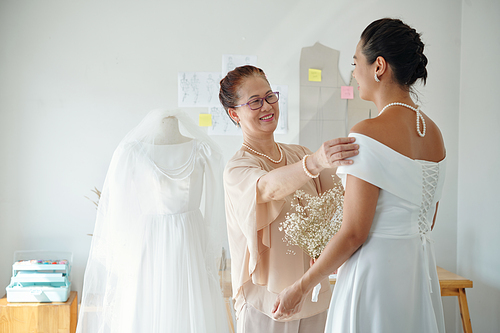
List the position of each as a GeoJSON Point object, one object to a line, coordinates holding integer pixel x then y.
{"type": "Point", "coordinates": [262, 264]}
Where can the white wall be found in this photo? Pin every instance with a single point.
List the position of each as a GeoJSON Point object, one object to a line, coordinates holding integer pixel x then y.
{"type": "Point", "coordinates": [75, 76]}
{"type": "Point", "coordinates": [479, 157]}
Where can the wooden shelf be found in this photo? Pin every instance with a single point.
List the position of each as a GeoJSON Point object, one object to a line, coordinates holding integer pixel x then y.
{"type": "Point", "coordinates": [39, 317]}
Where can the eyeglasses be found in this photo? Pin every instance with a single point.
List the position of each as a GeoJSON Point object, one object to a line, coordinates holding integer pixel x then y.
{"type": "Point", "coordinates": [257, 103]}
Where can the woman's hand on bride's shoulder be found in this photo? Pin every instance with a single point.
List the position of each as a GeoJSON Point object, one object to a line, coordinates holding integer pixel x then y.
{"type": "Point", "coordinates": [335, 152]}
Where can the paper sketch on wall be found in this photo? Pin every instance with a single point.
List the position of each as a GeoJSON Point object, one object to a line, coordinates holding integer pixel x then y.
{"type": "Point", "coordinates": [323, 113]}
{"type": "Point", "coordinates": [222, 125]}
{"type": "Point", "coordinates": [198, 89]}
{"type": "Point", "coordinates": [231, 61]}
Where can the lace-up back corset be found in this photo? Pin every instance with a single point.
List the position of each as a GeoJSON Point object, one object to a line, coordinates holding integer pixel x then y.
{"type": "Point", "coordinates": [409, 189]}
{"type": "Point", "coordinates": [430, 177]}
{"type": "Point", "coordinates": [409, 215]}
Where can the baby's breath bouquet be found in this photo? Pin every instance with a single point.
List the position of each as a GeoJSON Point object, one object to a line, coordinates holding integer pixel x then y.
{"type": "Point", "coordinates": [315, 219]}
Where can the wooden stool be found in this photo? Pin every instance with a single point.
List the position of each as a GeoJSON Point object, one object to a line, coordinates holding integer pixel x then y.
{"type": "Point", "coordinates": [452, 285]}
{"type": "Point", "coordinates": [39, 317]}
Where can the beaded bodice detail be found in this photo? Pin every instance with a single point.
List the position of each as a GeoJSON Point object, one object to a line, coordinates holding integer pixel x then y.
{"type": "Point", "coordinates": [430, 177]}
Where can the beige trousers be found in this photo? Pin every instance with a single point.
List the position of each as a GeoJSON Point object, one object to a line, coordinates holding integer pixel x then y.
{"type": "Point", "coordinates": [252, 320]}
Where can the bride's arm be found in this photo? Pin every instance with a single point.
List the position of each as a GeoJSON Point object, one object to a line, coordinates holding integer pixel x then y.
{"type": "Point", "coordinates": [360, 202]}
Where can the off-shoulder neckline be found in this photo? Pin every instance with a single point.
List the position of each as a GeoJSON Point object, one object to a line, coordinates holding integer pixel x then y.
{"type": "Point", "coordinates": [398, 153]}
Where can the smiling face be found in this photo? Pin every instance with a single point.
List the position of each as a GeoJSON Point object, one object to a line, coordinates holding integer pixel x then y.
{"type": "Point", "coordinates": [364, 74]}
{"type": "Point", "coordinates": [256, 122]}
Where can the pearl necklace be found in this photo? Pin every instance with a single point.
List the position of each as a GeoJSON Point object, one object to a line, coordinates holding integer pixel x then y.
{"type": "Point", "coordinates": [270, 159]}
{"type": "Point", "coordinates": [419, 116]}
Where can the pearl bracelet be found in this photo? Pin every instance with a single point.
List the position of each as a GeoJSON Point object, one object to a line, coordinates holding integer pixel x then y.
{"type": "Point", "coordinates": [305, 168]}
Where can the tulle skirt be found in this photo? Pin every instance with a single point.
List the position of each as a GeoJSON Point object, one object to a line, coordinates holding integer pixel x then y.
{"type": "Point", "coordinates": [177, 288]}
{"type": "Point", "coordinates": [169, 287]}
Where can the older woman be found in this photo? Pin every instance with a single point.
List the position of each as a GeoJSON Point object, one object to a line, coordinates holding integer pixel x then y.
{"type": "Point", "coordinates": [259, 181]}
{"type": "Point", "coordinates": [388, 280]}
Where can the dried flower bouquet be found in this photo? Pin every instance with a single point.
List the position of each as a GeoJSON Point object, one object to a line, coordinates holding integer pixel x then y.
{"type": "Point", "coordinates": [315, 219]}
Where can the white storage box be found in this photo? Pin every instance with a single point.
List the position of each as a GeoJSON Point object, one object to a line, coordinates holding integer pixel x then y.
{"type": "Point", "coordinates": [40, 276]}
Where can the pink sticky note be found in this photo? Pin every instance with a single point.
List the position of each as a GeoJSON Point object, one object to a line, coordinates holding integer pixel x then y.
{"type": "Point", "coordinates": [346, 92]}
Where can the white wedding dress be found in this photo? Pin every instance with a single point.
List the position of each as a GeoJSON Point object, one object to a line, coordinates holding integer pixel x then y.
{"type": "Point", "coordinates": [186, 294]}
{"type": "Point", "coordinates": [152, 264]}
{"type": "Point", "coordinates": [390, 283]}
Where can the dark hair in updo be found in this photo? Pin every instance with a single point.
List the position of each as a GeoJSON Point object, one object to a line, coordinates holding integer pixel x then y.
{"type": "Point", "coordinates": [231, 83]}
{"type": "Point", "coordinates": [400, 46]}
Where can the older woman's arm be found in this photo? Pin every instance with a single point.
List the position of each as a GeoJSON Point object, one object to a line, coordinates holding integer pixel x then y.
{"type": "Point", "coordinates": [283, 181]}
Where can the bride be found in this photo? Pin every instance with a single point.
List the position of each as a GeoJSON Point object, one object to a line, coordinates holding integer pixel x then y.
{"type": "Point", "coordinates": [387, 281]}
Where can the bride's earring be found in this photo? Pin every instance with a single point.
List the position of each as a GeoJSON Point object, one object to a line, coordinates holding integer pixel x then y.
{"type": "Point", "coordinates": [376, 78]}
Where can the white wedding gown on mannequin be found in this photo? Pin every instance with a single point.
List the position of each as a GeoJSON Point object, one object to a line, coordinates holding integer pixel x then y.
{"type": "Point", "coordinates": [152, 263]}
{"type": "Point", "coordinates": [173, 256]}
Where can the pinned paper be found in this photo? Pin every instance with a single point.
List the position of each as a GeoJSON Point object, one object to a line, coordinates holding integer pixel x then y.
{"type": "Point", "coordinates": [198, 89]}
{"type": "Point", "coordinates": [205, 120]}
{"type": "Point", "coordinates": [347, 92]}
{"type": "Point", "coordinates": [322, 111]}
{"type": "Point", "coordinates": [314, 75]}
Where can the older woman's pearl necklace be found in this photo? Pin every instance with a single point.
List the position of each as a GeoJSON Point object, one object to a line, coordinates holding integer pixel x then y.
{"type": "Point", "coordinates": [419, 116]}
{"type": "Point", "coordinates": [270, 159]}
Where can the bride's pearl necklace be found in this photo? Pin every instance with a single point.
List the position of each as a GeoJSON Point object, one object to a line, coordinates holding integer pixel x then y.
{"type": "Point", "coordinates": [270, 159]}
{"type": "Point", "coordinates": [419, 116]}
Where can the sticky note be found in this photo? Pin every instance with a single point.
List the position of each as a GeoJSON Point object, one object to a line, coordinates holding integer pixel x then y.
{"type": "Point", "coordinates": [346, 92]}
{"type": "Point", "coordinates": [314, 75]}
{"type": "Point", "coordinates": [205, 119]}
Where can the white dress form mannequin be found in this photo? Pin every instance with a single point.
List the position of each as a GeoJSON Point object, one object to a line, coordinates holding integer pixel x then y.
{"type": "Point", "coordinates": [168, 132]}
{"type": "Point", "coordinates": [170, 142]}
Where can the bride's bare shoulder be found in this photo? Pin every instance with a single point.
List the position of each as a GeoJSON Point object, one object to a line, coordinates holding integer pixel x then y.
{"type": "Point", "coordinates": [401, 135]}
{"type": "Point", "coordinates": [372, 128]}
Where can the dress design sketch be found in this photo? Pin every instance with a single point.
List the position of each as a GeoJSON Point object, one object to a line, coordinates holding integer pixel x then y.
{"type": "Point", "coordinates": [390, 283]}
{"type": "Point", "coordinates": [152, 263]}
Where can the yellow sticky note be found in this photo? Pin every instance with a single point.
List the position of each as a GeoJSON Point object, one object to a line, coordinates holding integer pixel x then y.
{"type": "Point", "coordinates": [205, 119]}
{"type": "Point", "coordinates": [314, 75]}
